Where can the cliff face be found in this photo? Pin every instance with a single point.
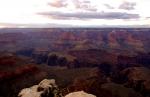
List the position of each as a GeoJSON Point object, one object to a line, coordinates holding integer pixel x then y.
{"type": "Point", "coordinates": [16, 73]}
{"type": "Point", "coordinates": [138, 78]}
{"type": "Point", "coordinates": [68, 39]}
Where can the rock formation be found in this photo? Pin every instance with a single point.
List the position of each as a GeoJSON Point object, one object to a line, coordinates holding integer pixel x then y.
{"type": "Point", "coordinates": [118, 90]}
{"type": "Point", "coordinates": [46, 88]}
{"type": "Point", "coordinates": [138, 79]}
{"type": "Point", "coordinates": [79, 94]}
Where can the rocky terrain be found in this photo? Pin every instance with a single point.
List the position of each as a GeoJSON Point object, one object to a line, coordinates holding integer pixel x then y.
{"type": "Point", "coordinates": [112, 62]}
{"type": "Point", "coordinates": [105, 80]}
{"type": "Point", "coordinates": [114, 39]}
{"type": "Point", "coordinates": [48, 88]}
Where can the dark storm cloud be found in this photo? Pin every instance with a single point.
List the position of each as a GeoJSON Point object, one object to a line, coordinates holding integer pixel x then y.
{"type": "Point", "coordinates": [108, 6]}
{"type": "Point", "coordinates": [90, 15]}
{"type": "Point", "coordinates": [58, 3]}
{"type": "Point", "coordinates": [127, 5]}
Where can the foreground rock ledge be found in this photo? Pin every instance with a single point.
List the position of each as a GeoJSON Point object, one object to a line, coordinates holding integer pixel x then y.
{"type": "Point", "coordinates": [48, 88]}
{"type": "Point", "coordinates": [79, 94]}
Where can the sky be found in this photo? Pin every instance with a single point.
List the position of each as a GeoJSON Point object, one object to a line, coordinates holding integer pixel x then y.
{"type": "Point", "coordinates": [74, 13]}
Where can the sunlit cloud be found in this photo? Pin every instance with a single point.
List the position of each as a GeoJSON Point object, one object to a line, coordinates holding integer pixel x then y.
{"type": "Point", "coordinates": [58, 3]}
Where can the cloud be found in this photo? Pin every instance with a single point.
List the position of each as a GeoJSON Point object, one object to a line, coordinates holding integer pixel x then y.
{"type": "Point", "coordinates": [127, 5]}
{"type": "Point", "coordinates": [78, 4]}
{"type": "Point", "coordinates": [147, 17]}
{"type": "Point", "coordinates": [108, 6]}
{"type": "Point", "coordinates": [90, 15]}
{"type": "Point", "coordinates": [84, 5]}
{"type": "Point", "coordinates": [35, 25]}
{"type": "Point", "coordinates": [58, 3]}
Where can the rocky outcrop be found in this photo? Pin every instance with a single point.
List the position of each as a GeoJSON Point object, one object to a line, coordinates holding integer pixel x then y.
{"type": "Point", "coordinates": [138, 79]}
{"type": "Point", "coordinates": [137, 73]}
{"type": "Point", "coordinates": [61, 59]}
{"type": "Point", "coordinates": [80, 94]}
{"type": "Point", "coordinates": [16, 72]}
{"type": "Point", "coordinates": [118, 90]}
{"type": "Point", "coordinates": [46, 88]}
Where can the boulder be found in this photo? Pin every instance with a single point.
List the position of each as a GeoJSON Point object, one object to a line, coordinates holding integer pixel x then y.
{"type": "Point", "coordinates": [79, 94]}
{"type": "Point", "coordinates": [46, 88]}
